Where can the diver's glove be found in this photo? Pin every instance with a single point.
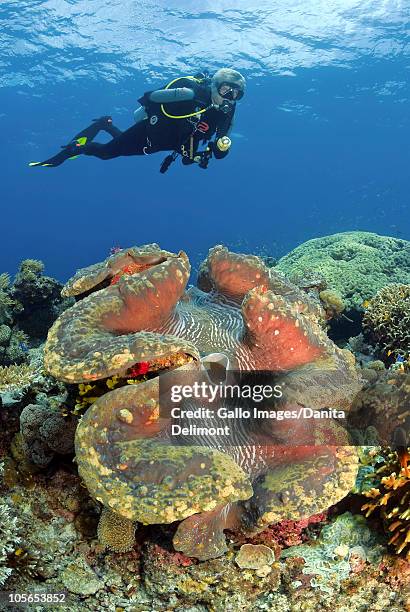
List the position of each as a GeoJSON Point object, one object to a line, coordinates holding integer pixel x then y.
{"type": "Point", "coordinates": [201, 158]}
{"type": "Point", "coordinates": [205, 157]}
{"type": "Point", "coordinates": [187, 161]}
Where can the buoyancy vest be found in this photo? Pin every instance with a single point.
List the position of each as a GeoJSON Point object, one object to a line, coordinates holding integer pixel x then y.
{"type": "Point", "coordinates": [170, 126]}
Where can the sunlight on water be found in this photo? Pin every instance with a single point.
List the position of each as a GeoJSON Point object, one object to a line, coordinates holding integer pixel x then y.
{"type": "Point", "coordinates": [59, 40]}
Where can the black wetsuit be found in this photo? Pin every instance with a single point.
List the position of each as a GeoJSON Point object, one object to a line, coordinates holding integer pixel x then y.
{"type": "Point", "coordinates": [157, 132]}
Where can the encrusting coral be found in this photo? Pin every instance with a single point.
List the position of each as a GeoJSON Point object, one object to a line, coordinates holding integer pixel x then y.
{"type": "Point", "coordinates": [387, 320]}
{"type": "Point", "coordinates": [243, 317]}
{"type": "Point", "coordinates": [330, 559]}
{"type": "Point", "coordinates": [332, 302]}
{"type": "Point", "coordinates": [254, 556]}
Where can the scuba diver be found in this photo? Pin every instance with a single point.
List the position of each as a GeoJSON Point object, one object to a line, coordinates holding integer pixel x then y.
{"type": "Point", "coordinates": [187, 112]}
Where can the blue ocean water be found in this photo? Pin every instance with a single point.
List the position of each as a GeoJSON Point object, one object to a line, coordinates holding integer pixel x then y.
{"type": "Point", "coordinates": [320, 143]}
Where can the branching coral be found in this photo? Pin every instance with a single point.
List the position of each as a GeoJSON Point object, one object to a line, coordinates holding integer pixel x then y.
{"type": "Point", "coordinates": [33, 267]}
{"type": "Point", "coordinates": [387, 320]}
{"type": "Point", "coordinates": [9, 537]}
{"type": "Point", "coordinates": [16, 377]}
{"type": "Point", "coordinates": [392, 500]}
{"type": "Point", "coordinates": [4, 281]}
{"type": "Point", "coordinates": [13, 345]}
{"type": "Point", "coordinates": [6, 302]}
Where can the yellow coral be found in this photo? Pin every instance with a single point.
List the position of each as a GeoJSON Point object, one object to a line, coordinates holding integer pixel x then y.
{"type": "Point", "coordinates": [88, 394]}
{"type": "Point", "coordinates": [332, 302]}
{"type": "Point", "coordinates": [116, 532]}
{"type": "Point", "coordinates": [392, 500]}
{"type": "Point", "coordinates": [83, 388]}
{"type": "Point", "coordinates": [112, 382]}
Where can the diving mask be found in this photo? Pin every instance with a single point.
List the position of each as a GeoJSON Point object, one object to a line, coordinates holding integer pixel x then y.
{"type": "Point", "coordinates": [230, 91]}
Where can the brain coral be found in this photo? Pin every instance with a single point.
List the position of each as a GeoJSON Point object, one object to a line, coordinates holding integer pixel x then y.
{"type": "Point", "coordinates": [355, 264]}
{"type": "Point", "coordinates": [243, 317]}
{"type": "Point", "coordinates": [387, 320]}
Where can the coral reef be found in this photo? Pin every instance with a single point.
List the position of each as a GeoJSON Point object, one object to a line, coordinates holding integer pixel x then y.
{"type": "Point", "coordinates": [13, 345]}
{"type": "Point", "coordinates": [254, 556]}
{"type": "Point", "coordinates": [391, 499]}
{"type": "Point", "coordinates": [45, 432]}
{"type": "Point", "coordinates": [8, 540]}
{"type": "Point", "coordinates": [9, 534]}
{"type": "Point", "coordinates": [244, 316]}
{"type": "Point", "coordinates": [286, 533]}
{"type": "Point", "coordinates": [28, 307]}
{"type": "Point", "coordinates": [13, 340]}
{"type": "Point", "coordinates": [39, 298]}
{"type": "Point", "coordinates": [381, 407]}
{"type": "Point", "coordinates": [219, 584]}
{"type": "Point", "coordinates": [369, 457]}
{"type": "Point", "coordinates": [115, 532]}
{"type": "Point", "coordinates": [16, 376]}
{"type": "Point", "coordinates": [355, 264]}
{"type": "Point", "coordinates": [53, 536]}
{"type": "Point", "coordinates": [6, 302]}
{"type": "Point", "coordinates": [386, 321]}
{"type": "Point", "coordinates": [64, 557]}
{"type": "Point", "coordinates": [79, 578]}
{"type": "Point", "coordinates": [339, 546]}
{"type": "Point", "coordinates": [14, 348]}
{"type": "Point", "coordinates": [332, 303]}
